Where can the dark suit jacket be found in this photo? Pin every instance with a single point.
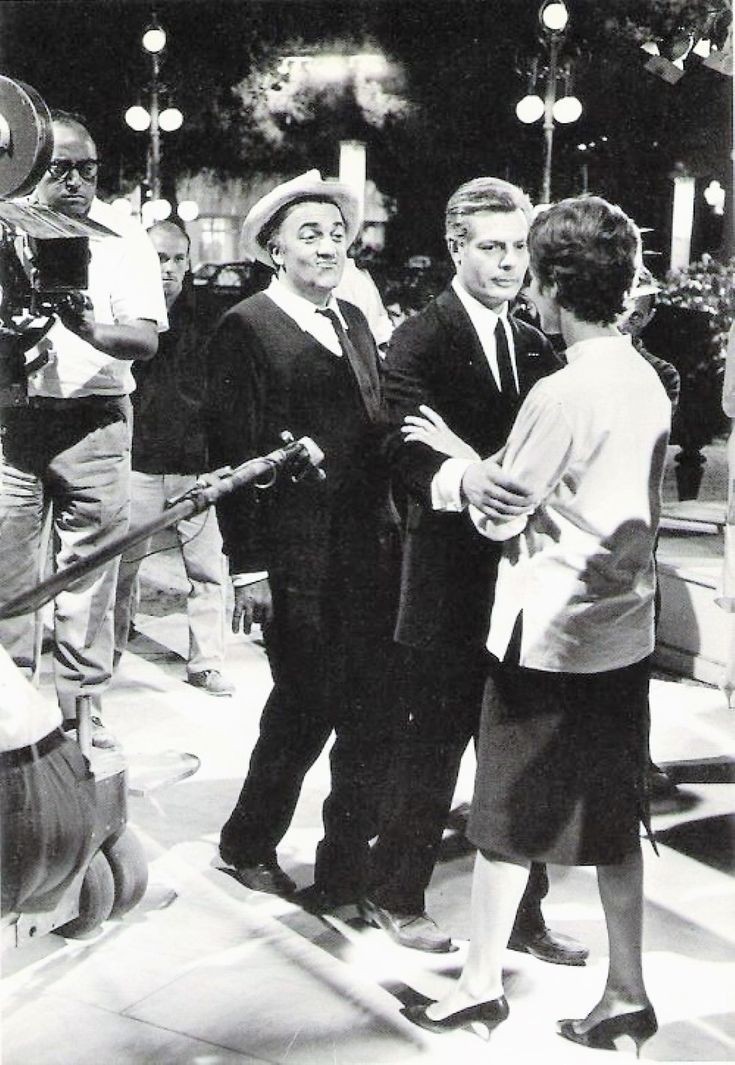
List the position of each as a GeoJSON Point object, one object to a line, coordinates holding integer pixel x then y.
{"type": "Point", "coordinates": [267, 375]}
{"type": "Point", "coordinates": [448, 571]}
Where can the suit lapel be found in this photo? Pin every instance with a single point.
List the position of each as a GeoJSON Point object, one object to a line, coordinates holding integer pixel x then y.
{"type": "Point", "coordinates": [530, 364]}
{"type": "Point", "coordinates": [463, 338]}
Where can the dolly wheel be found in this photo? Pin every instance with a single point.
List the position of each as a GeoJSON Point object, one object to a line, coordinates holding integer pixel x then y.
{"type": "Point", "coordinates": [95, 898]}
{"type": "Point", "coordinates": [129, 870]}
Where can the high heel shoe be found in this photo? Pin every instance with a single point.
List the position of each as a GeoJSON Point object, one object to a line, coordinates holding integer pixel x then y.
{"type": "Point", "coordinates": [491, 1014]}
{"type": "Point", "coordinates": [639, 1025]}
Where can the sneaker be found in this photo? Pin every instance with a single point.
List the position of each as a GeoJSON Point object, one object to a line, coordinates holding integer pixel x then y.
{"type": "Point", "coordinates": [211, 681]}
{"type": "Point", "coordinates": [101, 736]}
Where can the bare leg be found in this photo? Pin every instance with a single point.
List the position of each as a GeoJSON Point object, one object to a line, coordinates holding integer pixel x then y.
{"type": "Point", "coordinates": [497, 887]}
{"type": "Point", "coordinates": [621, 893]}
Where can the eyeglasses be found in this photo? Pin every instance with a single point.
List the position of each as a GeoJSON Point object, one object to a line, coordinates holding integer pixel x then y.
{"type": "Point", "coordinates": [59, 169]}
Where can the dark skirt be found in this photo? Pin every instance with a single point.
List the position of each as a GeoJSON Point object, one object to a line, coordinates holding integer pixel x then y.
{"type": "Point", "coordinates": [561, 764]}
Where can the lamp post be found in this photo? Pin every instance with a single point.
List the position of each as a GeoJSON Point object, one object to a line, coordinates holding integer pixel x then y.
{"type": "Point", "coordinates": [169, 119]}
{"type": "Point", "coordinates": [553, 17]}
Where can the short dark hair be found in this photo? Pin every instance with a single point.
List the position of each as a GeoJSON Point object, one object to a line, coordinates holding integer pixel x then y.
{"type": "Point", "coordinates": [70, 118]}
{"type": "Point", "coordinates": [590, 249]}
{"type": "Point", "coordinates": [483, 194]}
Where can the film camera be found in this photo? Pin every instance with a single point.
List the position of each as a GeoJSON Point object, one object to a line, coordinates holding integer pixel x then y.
{"type": "Point", "coordinates": [50, 281]}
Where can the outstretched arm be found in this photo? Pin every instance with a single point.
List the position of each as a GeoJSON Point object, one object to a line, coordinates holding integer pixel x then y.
{"type": "Point", "coordinates": [485, 485]}
{"type": "Point", "coordinates": [537, 456]}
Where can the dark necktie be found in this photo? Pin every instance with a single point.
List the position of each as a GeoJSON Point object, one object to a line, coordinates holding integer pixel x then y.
{"type": "Point", "coordinates": [367, 382]}
{"type": "Point", "coordinates": [505, 367]}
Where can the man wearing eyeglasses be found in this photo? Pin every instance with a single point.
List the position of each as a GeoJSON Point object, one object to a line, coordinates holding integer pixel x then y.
{"type": "Point", "coordinates": [68, 450]}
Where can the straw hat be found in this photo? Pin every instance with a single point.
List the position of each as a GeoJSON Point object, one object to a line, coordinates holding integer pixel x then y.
{"type": "Point", "coordinates": [302, 187]}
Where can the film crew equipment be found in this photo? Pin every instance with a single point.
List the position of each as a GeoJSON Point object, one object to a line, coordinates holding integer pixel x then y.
{"type": "Point", "coordinates": [297, 458]}
{"type": "Point", "coordinates": [56, 247]}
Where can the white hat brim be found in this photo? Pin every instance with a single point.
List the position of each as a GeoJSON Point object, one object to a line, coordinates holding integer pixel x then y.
{"type": "Point", "coordinates": [298, 188]}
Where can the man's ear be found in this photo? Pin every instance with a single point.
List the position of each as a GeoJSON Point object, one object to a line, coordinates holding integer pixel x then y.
{"type": "Point", "coordinates": [275, 252]}
{"type": "Point", "coordinates": [455, 249]}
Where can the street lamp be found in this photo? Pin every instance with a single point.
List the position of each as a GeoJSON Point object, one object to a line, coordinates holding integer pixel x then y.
{"type": "Point", "coordinates": [553, 18]}
{"type": "Point", "coordinates": [141, 119]}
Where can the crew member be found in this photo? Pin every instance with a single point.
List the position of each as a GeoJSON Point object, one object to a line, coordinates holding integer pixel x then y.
{"type": "Point", "coordinates": [169, 454]}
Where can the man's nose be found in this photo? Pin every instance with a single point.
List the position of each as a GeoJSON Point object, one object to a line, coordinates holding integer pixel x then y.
{"type": "Point", "coordinates": [509, 258]}
{"type": "Point", "coordinates": [327, 246]}
{"type": "Point", "coordinates": [73, 178]}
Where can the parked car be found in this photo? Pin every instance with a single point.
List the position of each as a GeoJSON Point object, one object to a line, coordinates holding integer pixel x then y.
{"type": "Point", "coordinates": [203, 272]}
{"type": "Point", "coordinates": [220, 285]}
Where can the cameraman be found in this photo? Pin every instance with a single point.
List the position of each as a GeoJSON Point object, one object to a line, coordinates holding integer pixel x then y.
{"type": "Point", "coordinates": [69, 449]}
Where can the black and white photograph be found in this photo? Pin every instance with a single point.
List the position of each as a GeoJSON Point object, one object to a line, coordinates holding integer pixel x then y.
{"type": "Point", "coordinates": [367, 532]}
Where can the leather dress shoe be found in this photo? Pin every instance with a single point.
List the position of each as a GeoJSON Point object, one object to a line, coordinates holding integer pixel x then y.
{"type": "Point", "coordinates": [415, 930]}
{"type": "Point", "coordinates": [265, 876]}
{"type": "Point", "coordinates": [319, 901]}
{"type": "Point", "coordinates": [658, 783]}
{"type": "Point", "coordinates": [549, 946]}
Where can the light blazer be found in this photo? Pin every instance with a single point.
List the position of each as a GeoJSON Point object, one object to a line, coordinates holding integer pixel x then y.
{"type": "Point", "coordinates": [448, 571]}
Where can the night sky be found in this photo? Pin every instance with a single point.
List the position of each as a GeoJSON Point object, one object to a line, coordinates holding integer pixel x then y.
{"type": "Point", "coordinates": [463, 63]}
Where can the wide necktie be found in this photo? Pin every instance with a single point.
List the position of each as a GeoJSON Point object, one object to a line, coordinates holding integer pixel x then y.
{"type": "Point", "coordinates": [367, 381]}
{"type": "Point", "coordinates": [505, 367]}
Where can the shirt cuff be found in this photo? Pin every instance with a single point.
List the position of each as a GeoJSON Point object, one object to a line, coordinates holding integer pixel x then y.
{"type": "Point", "coordinates": [446, 486]}
{"type": "Point", "coordinates": [239, 580]}
{"type": "Point", "coordinates": [498, 529]}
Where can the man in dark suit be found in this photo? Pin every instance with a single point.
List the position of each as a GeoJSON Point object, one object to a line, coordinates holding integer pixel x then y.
{"type": "Point", "coordinates": [472, 363]}
{"type": "Point", "coordinates": [294, 358]}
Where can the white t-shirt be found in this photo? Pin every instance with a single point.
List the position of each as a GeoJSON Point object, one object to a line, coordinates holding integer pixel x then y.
{"type": "Point", "coordinates": [25, 716]}
{"type": "Point", "coordinates": [590, 443]}
{"type": "Point", "coordinates": [124, 285]}
{"type": "Point", "coordinates": [357, 286]}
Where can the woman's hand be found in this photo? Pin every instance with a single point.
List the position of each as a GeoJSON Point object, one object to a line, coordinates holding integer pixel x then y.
{"type": "Point", "coordinates": [430, 428]}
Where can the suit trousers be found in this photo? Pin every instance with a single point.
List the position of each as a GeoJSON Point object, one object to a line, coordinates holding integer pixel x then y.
{"type": "Point", "coordinates": [443, 691]}
{"type": "Point", "coordinates": [329, 675]}
{"type": "Point", "coordinates": [199, 541]}
{"type": "Point", "coordinates": [74, 457]}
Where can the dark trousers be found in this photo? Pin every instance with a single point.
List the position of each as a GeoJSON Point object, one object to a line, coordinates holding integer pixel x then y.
{"type": "Point", "coordinates": [443, 691]}
{"type": "Point", "coordinates": [47, 805]}
{"type": "Point", "coordinates": [330, 676]}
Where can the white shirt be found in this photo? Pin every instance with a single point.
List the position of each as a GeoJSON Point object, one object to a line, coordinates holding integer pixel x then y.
{"type": "Point", "coordinates": [447, 482]}
{"type": "Point", "coordinates": [485, 322]}
{"type": "Point", "coordinates": [589, 442]}
{"type": "Point", "coordinates": [358, 287]}
{"type": "Point", "coordinates": [124, 285]}
{"type": "Point", "coordinates": [25, 716]}
{"type": "Point", "coordinates": [305, 314]}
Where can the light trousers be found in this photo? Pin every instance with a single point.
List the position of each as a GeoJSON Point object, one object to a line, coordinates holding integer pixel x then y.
{"type": "Point", "coordinates": [72, 456]}
{"type": "Point", "coordinates": [199, 541]}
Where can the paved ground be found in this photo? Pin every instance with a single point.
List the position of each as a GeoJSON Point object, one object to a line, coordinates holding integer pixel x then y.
{"type": "Point", "coordinates": [205, 972]}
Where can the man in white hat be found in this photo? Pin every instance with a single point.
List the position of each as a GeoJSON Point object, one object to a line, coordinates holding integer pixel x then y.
{"type": "Point", "coordinates": [295, 358]}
